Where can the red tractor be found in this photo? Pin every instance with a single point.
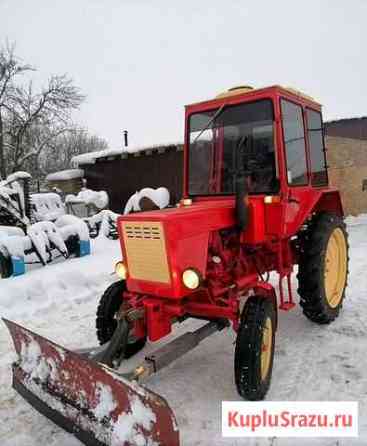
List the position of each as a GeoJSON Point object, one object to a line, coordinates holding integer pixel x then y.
{"type": "Point", "coordinates": [256, 200]}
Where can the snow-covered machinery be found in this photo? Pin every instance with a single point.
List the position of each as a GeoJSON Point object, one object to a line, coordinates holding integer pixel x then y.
{"type": "Point", "coordinates": [42, 243]}
{"type": "Point", "coordinates": [256, 201]}
{"type": "Point", "coordinates": [14, 200]}
{"type": "Point", "coordinates": [92, 206]}
{"type": "Point", "coordinates": [46, 206]}
{"type": "Point", "coordinates": [53, 234]}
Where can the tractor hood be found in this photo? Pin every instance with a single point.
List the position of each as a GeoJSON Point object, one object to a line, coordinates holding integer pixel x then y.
{"type": "Point", "coordinates": [158, 246]}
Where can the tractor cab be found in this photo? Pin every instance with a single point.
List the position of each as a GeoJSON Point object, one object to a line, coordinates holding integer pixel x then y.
{"type": "Point", "coordinates": [270, 140]}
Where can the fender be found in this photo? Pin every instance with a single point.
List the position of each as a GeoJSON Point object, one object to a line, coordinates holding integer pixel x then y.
{"type": "Point", "coordinates": [330, 201]}
{"type": "Point", "coordinates": [267, 290]}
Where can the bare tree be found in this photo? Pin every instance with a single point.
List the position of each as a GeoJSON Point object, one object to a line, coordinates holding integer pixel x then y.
{"type": "Point", "coordinates": [39, 117]}
{"type": "Point", "coordinates": [10, 68]}
{"type": "Point", "coordinates": [36, 129]}
{"type": "Point", "coordinates": [65, 146]}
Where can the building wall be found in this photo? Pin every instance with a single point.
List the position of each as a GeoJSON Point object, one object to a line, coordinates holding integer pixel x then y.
{"type": "Point", "coordinates": [355, 128]}
{"type": "Point", "coordinates": [72, 186]}
{"type": "Point", "coordinates": [347, 159]}
{"type": "Point", "coordinates": [122, 177]}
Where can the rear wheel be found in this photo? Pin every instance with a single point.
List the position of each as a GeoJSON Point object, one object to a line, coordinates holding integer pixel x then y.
{"type": "Point", "coordinates": [254, 352]}
{"type": "Point", "coordinates": [106, 322]}
{"type": "Point", "coordinates": [323, 268]}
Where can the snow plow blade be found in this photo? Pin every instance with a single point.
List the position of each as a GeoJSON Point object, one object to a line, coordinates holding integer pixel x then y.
{"type": "Point", "coordinates": [94, 403]}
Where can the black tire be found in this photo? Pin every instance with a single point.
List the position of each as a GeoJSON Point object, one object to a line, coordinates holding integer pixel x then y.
{"type": "Point", "coordinates": [6, 267]}
{"type": "Point", "coordinates": [109, 305]}
{"type": "Point", "coordinates": [250, 382]}
{"type": "Point", "coordinates": [313, 265]}
{"type": "Point", "coordinates": [72, 245]}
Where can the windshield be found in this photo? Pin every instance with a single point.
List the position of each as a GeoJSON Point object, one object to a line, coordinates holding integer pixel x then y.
{"type": "Point", "coordinates": [233, 140]}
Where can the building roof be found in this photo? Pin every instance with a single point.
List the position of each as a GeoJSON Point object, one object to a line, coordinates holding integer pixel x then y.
{"type": "Point", "coordinates": [344, 120]}
{"type": "Point", "coordinates": [354, 128]}
{"type": "Point", "coordinates": [65, 175]}
{"type": "Point", "coordinates": [110, 154]}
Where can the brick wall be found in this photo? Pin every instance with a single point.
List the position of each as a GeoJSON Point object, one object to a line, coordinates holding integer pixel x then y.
{"type": "Point", "coordinates": [347, 159]}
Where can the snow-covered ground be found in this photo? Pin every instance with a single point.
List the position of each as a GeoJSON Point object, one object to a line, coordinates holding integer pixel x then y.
{"type": "Point", "coordinates": [311, 362]}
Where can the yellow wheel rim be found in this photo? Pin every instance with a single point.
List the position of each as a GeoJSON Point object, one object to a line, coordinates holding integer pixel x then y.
{"type": "Point", "coordinates": [335, 268]}
{"type": "Point", "coordinates": [266, 348]}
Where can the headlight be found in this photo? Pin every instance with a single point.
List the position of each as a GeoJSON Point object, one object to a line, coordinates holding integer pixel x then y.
{"type": "Point", "coordinates": [121, 270]}
{"type": "Point", "coordinates": [191, 279]}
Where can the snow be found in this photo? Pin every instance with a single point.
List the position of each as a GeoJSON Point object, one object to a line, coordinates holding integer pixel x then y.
{"type": "Point", "coordinates": [33, 363]}
{"type": "Point", "coordinates": [47, 206]}
{"type": "Point", "coordinates": [6, 192]}
{"type": "Point", "coordinates": [356, 221]}
{"type": "Point", "coordinates": [10, 230]}
{"type": "Point", "coordinates": [89, 196]}
{"type": "Point", "coordinates": [13, 242]}
{"type": "Point", "coordinates": [71, 225]}
{"type": "Point", "coordinates": [16, 186]}
{"type": "Point", "coordinates": [10, 190]}
{"type": "Point", "coordinates": [14, 245]}
{"type": "Point", "coordinates": [103, 218]}
{"type": "Point", "coordinates": [59, 286]}
{"type": "Point", "coordinates": [20, 175]}
{"type": "Point", "coordinates": [106, 403]}
{"type": "Point", "coordinates": [30, 354]}
{"type": "Point", "coordinates": [127, 428]}
{"type": "Point", "coordinates": [42, 234]}
{"type": "Point", "coordinates": [91, 157]}
{"type": "Point", "coordinates": [65, 175]}
{"type": "Point", "coordinates": [159, 196]}
{"type": "Point", "coordinates": [311, 362]}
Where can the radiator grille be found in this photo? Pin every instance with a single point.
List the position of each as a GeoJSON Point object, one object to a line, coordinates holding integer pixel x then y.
{"type": "Point", "coordinates": [146, 251]}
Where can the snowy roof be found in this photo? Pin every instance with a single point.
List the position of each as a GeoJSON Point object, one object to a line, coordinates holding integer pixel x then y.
{"type": "Point", "coordinates": [91, 157]}
{"type": "Point", "coordinates": [64, 175]}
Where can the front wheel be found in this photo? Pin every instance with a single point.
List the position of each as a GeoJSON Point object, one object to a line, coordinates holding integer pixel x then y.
{"type": "Point", "coordinates": [106, 322]}
{"type": "Point", "coordinates": [254, 354]}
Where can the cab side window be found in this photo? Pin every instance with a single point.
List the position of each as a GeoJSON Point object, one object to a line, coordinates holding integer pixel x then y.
{"type": "Point", "coordinates": [317, 151]}
{"type": "Point", "coordinates": [294, 141]}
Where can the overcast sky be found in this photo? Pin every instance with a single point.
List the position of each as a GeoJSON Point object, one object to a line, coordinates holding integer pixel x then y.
{"type": "Point", "coordinates": [139, 62]}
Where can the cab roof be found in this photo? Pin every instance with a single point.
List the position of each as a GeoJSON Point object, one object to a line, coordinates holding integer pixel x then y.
{"type": "Point", "coordinates": [235, 94]}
